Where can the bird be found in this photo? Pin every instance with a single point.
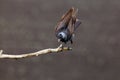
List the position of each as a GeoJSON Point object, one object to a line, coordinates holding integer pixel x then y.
{"type": "Point", "coordinates": [67, 25]}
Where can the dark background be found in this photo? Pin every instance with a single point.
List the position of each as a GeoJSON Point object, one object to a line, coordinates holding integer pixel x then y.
{"type": "Point", "coordinates": [28, 26]}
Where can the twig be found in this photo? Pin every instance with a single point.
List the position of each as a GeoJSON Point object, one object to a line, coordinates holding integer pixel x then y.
{"type": "Point", "coordinates": [45, 51]}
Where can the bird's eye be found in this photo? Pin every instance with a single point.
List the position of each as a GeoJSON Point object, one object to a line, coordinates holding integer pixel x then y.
{"type": "Point", "coordinates": [60, 35]}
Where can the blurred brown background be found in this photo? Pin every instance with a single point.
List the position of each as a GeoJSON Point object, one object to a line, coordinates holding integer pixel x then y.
{"type": "Point", "coordinates": [28, 25]}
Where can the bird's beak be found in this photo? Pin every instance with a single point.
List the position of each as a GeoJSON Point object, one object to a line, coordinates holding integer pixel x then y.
{"type": "Point", "coordinates": [58, 40]}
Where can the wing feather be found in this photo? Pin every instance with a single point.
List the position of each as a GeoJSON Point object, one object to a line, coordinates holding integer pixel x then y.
{"type": "Point", "coordinates": [64, 21]}
{"type": "Point", "coordinates": [74, 22]}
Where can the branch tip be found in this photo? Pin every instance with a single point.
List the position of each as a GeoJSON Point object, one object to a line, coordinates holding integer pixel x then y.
{"type": "Point", "coordinates": [1, 51]}
{"type": "Point", "coordinates": [61, 45]}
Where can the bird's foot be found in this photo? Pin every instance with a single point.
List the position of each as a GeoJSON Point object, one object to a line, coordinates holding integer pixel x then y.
{"type": "Point", "coordinates": [61, 47]}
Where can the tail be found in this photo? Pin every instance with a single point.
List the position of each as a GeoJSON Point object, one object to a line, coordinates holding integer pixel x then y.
{"type": "Point", "coordinates": [77, 23]}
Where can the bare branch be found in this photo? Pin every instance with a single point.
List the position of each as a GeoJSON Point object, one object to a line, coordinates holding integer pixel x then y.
{"type": "Point", "coordinates": [45, 51]}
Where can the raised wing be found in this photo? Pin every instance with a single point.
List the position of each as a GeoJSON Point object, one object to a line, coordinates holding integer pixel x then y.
{"type": "Point", "coordinates": [64, 21]}
{"type": "Point", "coordinates": [74, 22]}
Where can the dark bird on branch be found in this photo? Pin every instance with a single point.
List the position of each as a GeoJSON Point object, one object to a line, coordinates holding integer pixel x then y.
{"type": "Point", "coordinates": [67, 25]}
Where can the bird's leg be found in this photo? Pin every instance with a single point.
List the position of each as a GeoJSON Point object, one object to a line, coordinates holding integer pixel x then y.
{"type": "Point", "coordinates": [71, 41]}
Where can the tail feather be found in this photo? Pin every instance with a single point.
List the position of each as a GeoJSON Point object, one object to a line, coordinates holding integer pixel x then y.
{"type": "Point", "coordinates": [77, 23]}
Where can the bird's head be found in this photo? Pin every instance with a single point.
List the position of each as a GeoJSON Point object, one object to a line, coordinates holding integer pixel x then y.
{"type": "Point", "coordinates": [62, 36]}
